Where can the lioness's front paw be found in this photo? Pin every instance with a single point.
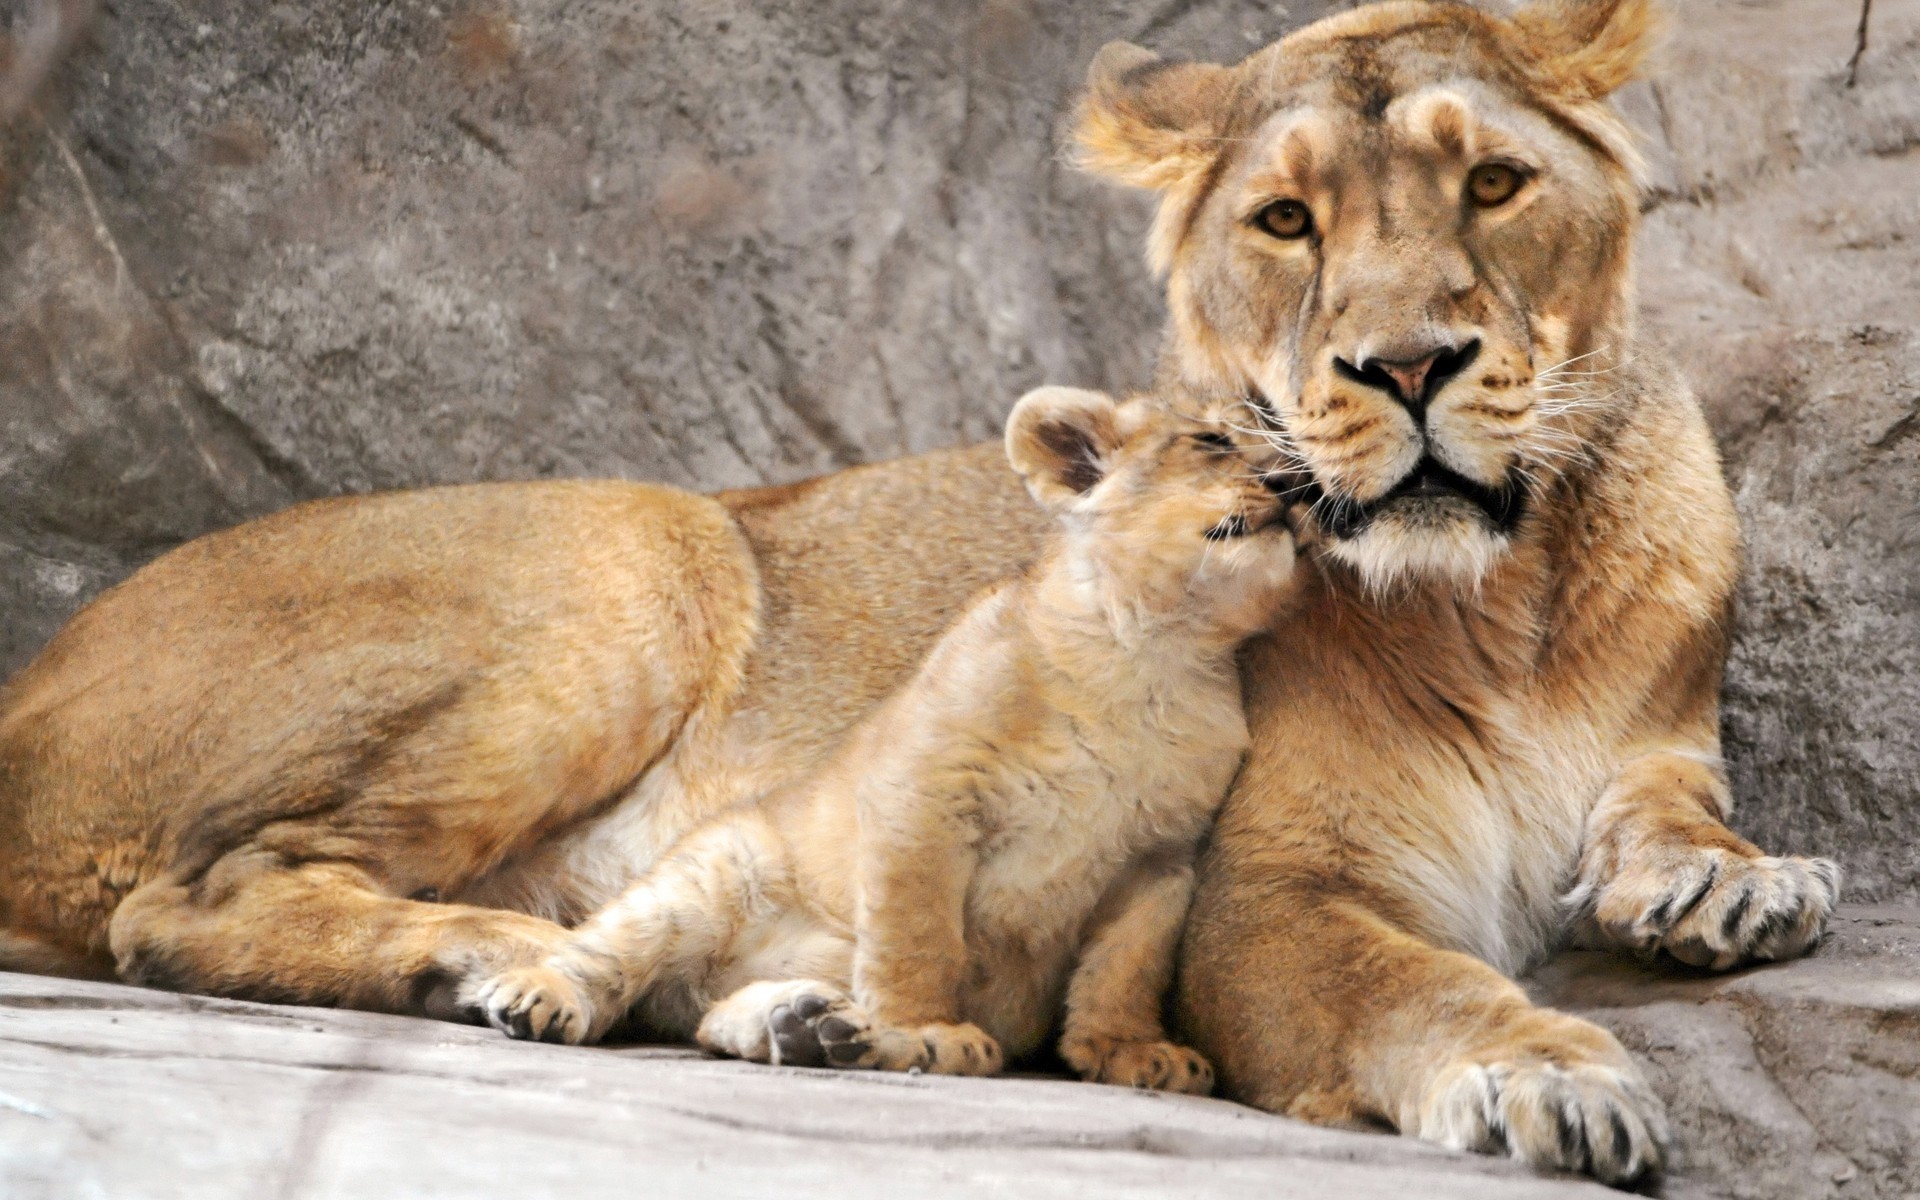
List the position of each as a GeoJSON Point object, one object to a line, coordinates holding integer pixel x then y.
{"type": "Point", "coordinates": [1163, 1066]}
{"type": "Point", "coordinates": [538, 1004]}
{"type": "Point", "coordinates": [1589, 1117]}
{"type": "Point", "coordinates": [962, 1049]}
{"type": "Point", "coordinates": [1712, 907]}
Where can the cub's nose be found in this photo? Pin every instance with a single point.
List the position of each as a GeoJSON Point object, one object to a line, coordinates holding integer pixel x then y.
{"type": "Point", "coordinates": [1412, 381]}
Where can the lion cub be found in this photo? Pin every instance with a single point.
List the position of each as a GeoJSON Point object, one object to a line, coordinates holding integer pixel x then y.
{"type": "Point", "coordinates": [1010, 833]}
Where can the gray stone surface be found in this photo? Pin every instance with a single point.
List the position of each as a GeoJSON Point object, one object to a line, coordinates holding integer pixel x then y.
{"type": "Point", "coordinates": [123, 1094]}
{"type": "Point", "coordinates": [1793, 1082]}
{"type": "Point", "coordinates": [1799, 1081]}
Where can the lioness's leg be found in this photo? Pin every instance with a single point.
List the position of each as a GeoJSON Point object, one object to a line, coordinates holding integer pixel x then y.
{"type": "Point", "coordinates": [1660, 869]}
{"type": "Point", "coordinates": [1331, 1014]}
{"type": "Point", "coordinates": [430, 686]}
{"type": "Point", "coordinates": [1112, 1030]}
{"type": "Point", "coordinates": [323, 933]}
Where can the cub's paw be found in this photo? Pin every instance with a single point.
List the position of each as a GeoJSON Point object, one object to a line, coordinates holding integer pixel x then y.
{"type": "Point", "coordinates": [963, 1049]}
{"type": "Point", "coordinates": [1590, 1117]}
{"type": "Point", "coordinates": [1162, 1066]}
{"type": "Point", "coordinates": [1715, 908]}
{"type": "Point", "coordinates": [539, 1004]}
{"type": "Point", "coordinates": [802, 1023]}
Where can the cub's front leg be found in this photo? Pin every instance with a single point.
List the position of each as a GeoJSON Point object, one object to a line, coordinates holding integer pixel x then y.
{"type": "Point", "coordinates": [1660, 870]}
{"type": "Point", "coordinates": [917, 860]}
{"type": "Point", "coordinates": [1112, 1030]}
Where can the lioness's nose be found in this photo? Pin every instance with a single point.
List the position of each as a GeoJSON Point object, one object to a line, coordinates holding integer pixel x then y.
{"type": "Point", "coordinates": [1411, 381]}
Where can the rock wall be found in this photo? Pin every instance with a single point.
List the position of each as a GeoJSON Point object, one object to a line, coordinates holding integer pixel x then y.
{"type": "Point", "coordinates": [1781, 260]}
{"type": "Point", "coordinates": [252, 253]}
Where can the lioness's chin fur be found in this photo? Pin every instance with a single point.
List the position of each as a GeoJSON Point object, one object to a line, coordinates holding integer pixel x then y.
{"type": "Point", "coordinates": [1450, 548]}
{"type": "Point", "coordinates": [247, 769]}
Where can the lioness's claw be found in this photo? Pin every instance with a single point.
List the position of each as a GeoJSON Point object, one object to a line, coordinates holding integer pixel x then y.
{"type": "Point", "coordinates": [1714, 908]}
{"type": "Point", "coordinates": [1580, 1117]}
{"type": "Point", "coordinates": [538, 1004]}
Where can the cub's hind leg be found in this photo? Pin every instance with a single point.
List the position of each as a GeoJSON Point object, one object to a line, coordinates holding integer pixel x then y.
{"type": "Point", "coordinates": [810, 1023]}
{"type": "Point", "coordinates": [675, 928]}
{"type": "Point", "coordinates": [321, 933]}
{"type": "Point", "coordinates": [803, 1023]}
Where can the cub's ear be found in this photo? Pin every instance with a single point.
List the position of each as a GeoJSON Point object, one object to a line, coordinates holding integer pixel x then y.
{"type": "Point", "coordinates": [1149, 122]}
{"type": "Point", "coordinates": [1061, 439]}
{"type": "Point", "coordinates": [1588, 48]}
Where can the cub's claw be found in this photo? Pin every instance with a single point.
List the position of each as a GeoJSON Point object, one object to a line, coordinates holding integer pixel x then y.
{"type": "Point", "coordinates": [538, 1004]}
{"type": "Point", "coordinates": [1714, 908]}
{"type": "Point", "coordinates": [1163, 1066]}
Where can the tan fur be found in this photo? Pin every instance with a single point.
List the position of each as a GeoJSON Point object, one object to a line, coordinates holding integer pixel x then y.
{"type": "Point", "coordinates": [1017, 822]}
{"type": "Point", "coordinates": [232, 772]}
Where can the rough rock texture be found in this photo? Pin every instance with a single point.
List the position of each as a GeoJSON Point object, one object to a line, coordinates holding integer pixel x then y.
{"type": "Point", "coordinates": [1782, 262]}
{"type": "Point", "coordinates": [1796, 1082]}
{"type": "Point", "coordinates": [251, 254]}
{"type": "Point", "coordinates": [258, 253]}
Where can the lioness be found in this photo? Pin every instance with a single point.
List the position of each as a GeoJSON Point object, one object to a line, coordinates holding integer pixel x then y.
{"type": "Point", "coordinates": [1011, 831]}
{"type": "Point", "coordinates": [363, 751]}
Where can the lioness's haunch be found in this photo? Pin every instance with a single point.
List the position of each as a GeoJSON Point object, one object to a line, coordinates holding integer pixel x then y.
{"type": "Point", "coordinates": [1023, 810]}
{"type": "Point", "coordinates": [1406, 233]}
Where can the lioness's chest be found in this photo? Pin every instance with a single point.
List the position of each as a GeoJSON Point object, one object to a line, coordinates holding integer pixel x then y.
{"type": "Point", "coordinates": [1423, 755]}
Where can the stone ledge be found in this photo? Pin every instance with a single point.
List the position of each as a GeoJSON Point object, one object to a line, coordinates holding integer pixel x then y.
{"type": "Point", "coordinates": [1793, 1081]}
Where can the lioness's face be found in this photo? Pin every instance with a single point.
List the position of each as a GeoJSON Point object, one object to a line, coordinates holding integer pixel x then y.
{"type": "Point", "coordinates": [1397, 235]}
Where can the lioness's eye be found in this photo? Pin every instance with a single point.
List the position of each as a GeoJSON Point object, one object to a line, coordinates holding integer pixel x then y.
{"type": "Point", "coordinates": [1285, 219]}
{"type": "Point", "coordinates": [1217, 441]}
{"type": "Point", "coordinates": [1492, 184]}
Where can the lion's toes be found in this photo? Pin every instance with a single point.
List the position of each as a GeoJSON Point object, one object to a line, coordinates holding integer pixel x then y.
{"type": "Point", "coordinates": [1762, 908]}
{"type": "Point", "coordinates": [1589, 1117]}
{"type": "Point", "coordinates": [538, 1004]}
{"type": "Point", "coordinates": [1719, 909]}
{"type": "Point", "coordinates": [822, 1028]}
{"type": "Point", "coordinates": [800, 1023]}
{"type": "Point", "coordinates": [960, 1049]}
{"type": "Point", "coordinates": [1162, 1066]}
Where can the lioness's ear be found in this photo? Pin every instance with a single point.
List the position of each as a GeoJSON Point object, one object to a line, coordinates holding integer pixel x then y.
{"type": "Point", "coordinates": [1060, 440]}
{"type": "Point", "coordinates": [1590, 47]}
{"type": "Point", "coordinates": [1149, 122]}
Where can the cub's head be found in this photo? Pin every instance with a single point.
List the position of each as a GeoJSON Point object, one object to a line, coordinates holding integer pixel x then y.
{"type": "Point", "coordinates": [1404, 234]}
{"type": "Point", "coordinates": [1166, 508]}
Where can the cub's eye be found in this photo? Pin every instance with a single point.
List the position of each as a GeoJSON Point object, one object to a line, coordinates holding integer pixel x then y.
{"type": "Point", "coordinates": [1214, 441]}
{"type": "Point", "coordinates": [1285, 219]}
{"type": "Point", "coordinates": [1490, 185]}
